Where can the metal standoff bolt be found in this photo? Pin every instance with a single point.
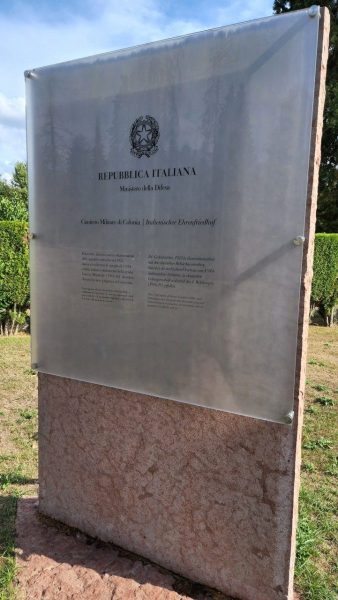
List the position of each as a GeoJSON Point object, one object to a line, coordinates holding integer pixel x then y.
{"type": "Point", "coordinates": [32, 236]}
{"type": "Point", "coordinates": [289, 417]}
{"type": "Point", "coordinates": [29, 74]}
{"type": "Point", "coordinates": [35, 366]}
{"type": "Point", "coordinates": [299, 240]}
{"type": "Point", "coordinates": [314, 10]}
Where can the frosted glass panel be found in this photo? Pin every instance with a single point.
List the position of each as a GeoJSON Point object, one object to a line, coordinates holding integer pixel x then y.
{"type": "Point", "coordinates": [167, 184]}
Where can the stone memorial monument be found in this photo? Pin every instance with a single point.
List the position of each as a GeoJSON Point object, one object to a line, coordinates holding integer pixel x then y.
{"type": "Point", "coordinates": [172, 205]}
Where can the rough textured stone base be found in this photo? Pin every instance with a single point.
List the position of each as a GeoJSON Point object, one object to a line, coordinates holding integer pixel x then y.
{"type": "Point", "coordinates": [206, 494]}
{"type": "Point", "coordinates": [55, 563]}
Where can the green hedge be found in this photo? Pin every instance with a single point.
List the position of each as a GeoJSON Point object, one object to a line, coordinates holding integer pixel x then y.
{"type": "Point", "coordinates": [14, 274]}
{"type": "Point", "coordinates": [324, 292]}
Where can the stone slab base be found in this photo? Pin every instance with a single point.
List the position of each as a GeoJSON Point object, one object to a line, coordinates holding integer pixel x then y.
{"type": "Point", "coordinates": [203, 493]}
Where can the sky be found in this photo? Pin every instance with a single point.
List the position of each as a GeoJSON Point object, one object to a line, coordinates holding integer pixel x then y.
{"type": "Point", "coordinates": [35, 33]}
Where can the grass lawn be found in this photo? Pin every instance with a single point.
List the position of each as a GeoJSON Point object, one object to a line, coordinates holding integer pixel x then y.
{"type": "Point", "coordinates": [316, 569]}
{"type": "Point", "coordinates": [18, 445]}
{"type": "Point", "coordinates": [317, 557]}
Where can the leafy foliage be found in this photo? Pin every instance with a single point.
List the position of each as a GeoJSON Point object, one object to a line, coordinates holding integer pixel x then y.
{"type": "Point", "coordinates": [14, 195]}
{"type": "Point", "coordinates": [327, 216]}
{"type": "Point", "coordinates": [14, 275]}
{"type": "Point", "coordinates": [325, 274]}
{"type": "Point", "coordinates": [322, 443]}
{"type": "Point", "coordinates": [20, 176]}
{"type": "Point", "coordinates": [324, 401]}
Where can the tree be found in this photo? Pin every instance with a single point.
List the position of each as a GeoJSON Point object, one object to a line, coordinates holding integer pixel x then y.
{"type": "Point", "coordinates": [327, 215]}
{"type": "Point", "coordinates": [324, 293]}
{"type": "Point", "coordinates": [14, 195]}
{"type": "Point", "coordinates": [14, 276]}
{"type": "Point", "coordinates": [20, 176]}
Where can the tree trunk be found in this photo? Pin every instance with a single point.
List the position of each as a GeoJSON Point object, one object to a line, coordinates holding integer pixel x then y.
{"type": "Point", "coordinates": [331, 317]}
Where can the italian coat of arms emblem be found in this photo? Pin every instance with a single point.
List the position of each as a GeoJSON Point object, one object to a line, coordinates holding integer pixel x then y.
{"type": "Point", "coordinates": [144, 135]}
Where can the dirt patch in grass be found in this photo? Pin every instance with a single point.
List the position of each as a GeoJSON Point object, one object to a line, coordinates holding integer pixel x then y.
{"type": "Point", "coordinates": [56, 562]}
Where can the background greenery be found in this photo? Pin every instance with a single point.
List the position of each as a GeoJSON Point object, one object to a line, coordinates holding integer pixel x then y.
{"type": "Point", "coordinates": [14, 195]}
{"type": "Point", "coordinates": [14, 276]}
{"type": "Point", "coordinates": [324, 293]}
{"type": "Point", "coordinates": [327, 214]}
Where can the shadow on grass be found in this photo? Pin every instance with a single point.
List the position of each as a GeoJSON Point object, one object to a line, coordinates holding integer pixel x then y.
{"type": "Point", "coordinates": [45, 538]}
{"type": "Point", "coordinates": [9, 495]}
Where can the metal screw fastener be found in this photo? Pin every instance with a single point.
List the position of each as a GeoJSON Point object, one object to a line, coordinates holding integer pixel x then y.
{"type": "Point", "coordinates": [32, 236]}
{"type": "Point", "coordinates": [29, 74]}
{"type": "Point", "coordinates": [314, 10]}
{"type": "Point", "coordinates": [299, 240]}
{"type": "Point", "coordinates": [289, 417]}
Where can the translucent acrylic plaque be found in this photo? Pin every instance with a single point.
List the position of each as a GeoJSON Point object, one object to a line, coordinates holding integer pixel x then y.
{"type": "Point", "coordinates": [167, 184]}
